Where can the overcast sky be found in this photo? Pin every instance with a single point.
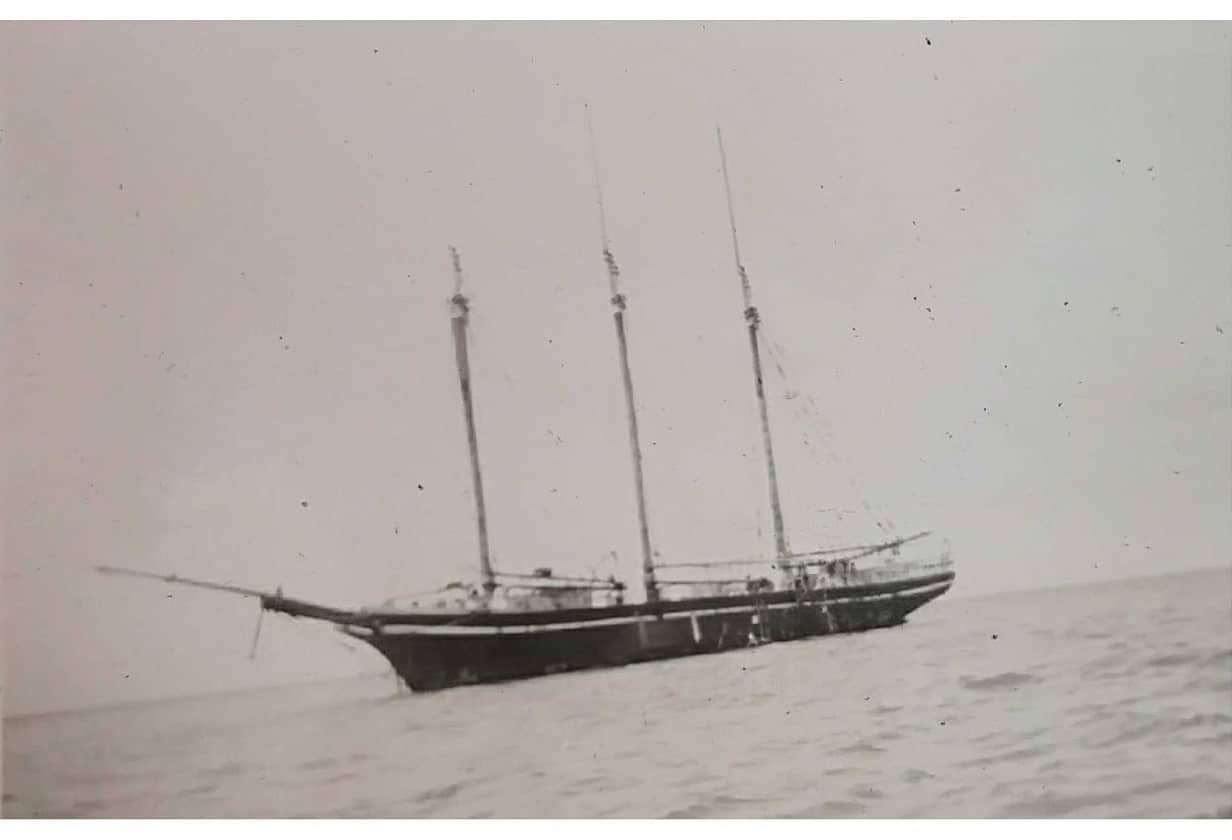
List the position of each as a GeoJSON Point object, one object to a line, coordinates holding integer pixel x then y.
{"type": "Point", "coordinates": [995, 257]}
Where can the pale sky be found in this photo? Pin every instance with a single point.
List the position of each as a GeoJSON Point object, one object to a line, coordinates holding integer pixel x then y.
{"type": "Point", "coordinates": [995, 257]}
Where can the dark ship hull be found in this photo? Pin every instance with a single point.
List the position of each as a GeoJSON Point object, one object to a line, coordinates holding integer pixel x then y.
{"type": "Point", "coordinates": [432, 651]}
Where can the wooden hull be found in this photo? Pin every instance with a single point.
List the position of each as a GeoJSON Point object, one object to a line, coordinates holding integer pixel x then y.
{"type": "Point", "coordinates": [429, 655]}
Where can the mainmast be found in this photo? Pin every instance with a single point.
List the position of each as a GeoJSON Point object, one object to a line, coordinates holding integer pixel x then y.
{"type": "Point", "coordinates": [618, 316]}
{"type": "Point", "coordinates": [459, 318]}
{"type": "Point", "coordinates": [753, 319]}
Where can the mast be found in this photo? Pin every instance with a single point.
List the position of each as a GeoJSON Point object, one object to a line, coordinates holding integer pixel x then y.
{"type": "Point", "coordinates": [753, 319]}
{"type": "Point", "coordinates": [618, 316]}
{"type": "Point", "coordinates": [459, 318]}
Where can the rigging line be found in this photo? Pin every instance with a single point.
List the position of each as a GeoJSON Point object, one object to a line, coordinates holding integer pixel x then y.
{"type": "Point", "coordinates": [573, 587]}
{"type": "Point", "coordinates": [753, 476]}
{"type": "Point", "coordinates": [422, 594]}
{"type": "Point", "coordinates": [498, 382]}
{"type": "Point", "coordinates": [807, 556]}
{"type": "Point", "coordinates": [490, 372]}
{"type": "Point", "coordinates": [802, 413]}
{"type": "Point", "coordinates": [878, 518]}
{"type": "Point", "coordinates": [778, 356]}
{"type": "Point", "coordinates": [594, 167]}
{"type": "Point", "coordinates": [745, 288]}
{"type": "Point", "coordinates": [256, 636]}
{"type": "Point", "coordinates": [552, 578]}
{"type": "Point", "coordinates": [613, 273]}
{"type": "Point", "coordinates": [707, 564]}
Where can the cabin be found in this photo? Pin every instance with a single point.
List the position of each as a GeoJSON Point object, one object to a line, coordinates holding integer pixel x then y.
{"type": "Point", "coordinates": [533, 599]}
{"type": "Point", "coordinates": [550, 593]}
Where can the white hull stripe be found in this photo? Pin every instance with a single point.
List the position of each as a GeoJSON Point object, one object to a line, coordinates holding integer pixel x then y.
{"type": "Point", "coordinates": [492, 630]}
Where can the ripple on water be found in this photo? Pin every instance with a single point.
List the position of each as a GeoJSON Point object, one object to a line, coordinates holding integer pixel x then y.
{"type": "Point", "coordinates": [344, 776]}
{"type": "Point", "coordinates": [863, 746]}
{"type": "Point", "coordinates": [1050, 804]}
{"type": "Point", "coordinates": [866, 792]}
{"type": "Point", "coordinates": [197, 790]}
{"type": "Point", "coordinates": [834, 809]}
{"type": "Point", "coordinates": [440, 793]}
{"type": "Point", "coordinates": [1109, 663]}
{"type": "Point", "coordinates": [1219, 657]}
{"type": "Point", "coordinates": [1007, 680]}
{"type": "Point", "coordinates": [714, 805]}
{"type": "Point", "coordinates": [322, 763]}
{"type": "Point", "coordinates": [226, 769]}
{"type": "Point", "coordinates": [1010, 756]}
{"type": "Point", "coordinates": [1173, 660]}
{"type": "Point", "coordinates": [1162, 725]}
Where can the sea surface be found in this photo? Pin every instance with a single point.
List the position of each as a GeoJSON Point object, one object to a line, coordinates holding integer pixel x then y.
{"type": "Point", "coordinates": [1110, 700]}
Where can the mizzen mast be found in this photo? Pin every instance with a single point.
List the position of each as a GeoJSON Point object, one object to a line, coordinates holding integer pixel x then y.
{"type": "Point", "coordinates": [460, 316]}
{"type": "Point", "coordinates": [753, 319]}
{"type": "Point", "coordinates": [618, 316]}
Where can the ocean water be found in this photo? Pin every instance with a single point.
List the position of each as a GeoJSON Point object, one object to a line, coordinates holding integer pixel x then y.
{"type": "Point", "coordinates": [1095, 701]}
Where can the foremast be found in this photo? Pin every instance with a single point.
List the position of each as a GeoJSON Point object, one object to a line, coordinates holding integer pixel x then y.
{"type": "Point", "coordinates": [618, 316]}
{"type": "Point", "coordinates": [753, 320]}
{"type": "Point", "coordinates": [619, 304]}
{"type": "Point", "coordinates": [459, 319]}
